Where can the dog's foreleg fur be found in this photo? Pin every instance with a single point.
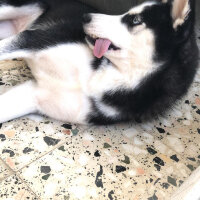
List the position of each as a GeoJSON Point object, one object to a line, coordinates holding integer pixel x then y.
{"type": "Point", "coordinates": [18, 101]}
{"type": "Point", "coordinates": [7, 29]}
{"type": "Point", "coordinates": [9, 49]}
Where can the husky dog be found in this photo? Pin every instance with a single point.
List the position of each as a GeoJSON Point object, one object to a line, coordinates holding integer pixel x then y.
{"type": "Point", "coordinates": [95, 68]}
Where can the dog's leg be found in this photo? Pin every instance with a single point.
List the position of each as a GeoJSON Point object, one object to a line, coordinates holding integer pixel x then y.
{"type": "Point", "coordinates": [17, 18]}
{"type": "Point", "coordinates": [18, 101]}
{"type": "Point", "coordinates": [10, 49]}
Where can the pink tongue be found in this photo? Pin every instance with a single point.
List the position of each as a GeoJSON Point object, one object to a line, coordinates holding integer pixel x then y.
{"type": "Point", "coordinates": [101, 47]}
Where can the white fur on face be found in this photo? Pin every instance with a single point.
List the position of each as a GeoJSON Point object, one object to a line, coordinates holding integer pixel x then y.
{"type": "Point", "coordinates": [110, 27]}
{"type": "Point", "coordinates": [135, 58]}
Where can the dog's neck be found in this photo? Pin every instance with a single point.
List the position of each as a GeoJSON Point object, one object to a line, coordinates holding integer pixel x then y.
{"type": "Point", "coordinates": [134, 65]}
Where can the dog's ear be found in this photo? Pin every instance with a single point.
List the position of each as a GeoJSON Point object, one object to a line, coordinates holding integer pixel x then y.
{"type": "Point", "coordinates": [180, 12]}
{"type": "Point", "coordinates": [183, 16]}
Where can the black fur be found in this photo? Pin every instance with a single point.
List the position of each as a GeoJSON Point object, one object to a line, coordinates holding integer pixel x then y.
{"type": "Point", "coordinates": [17, 2]}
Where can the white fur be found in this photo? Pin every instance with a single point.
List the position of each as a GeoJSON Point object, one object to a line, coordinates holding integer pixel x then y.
{"type": "Point", "coordinates": [7, 29]}
{"type": "Point", "coordinates": [59, 91]}
{"type": "Point", "coordinates": [107, 110]}
{"type": "Point", "coordinates": [6, 51]}
{"type": "Point", "coordinates": [16, 19]}
{"type": "Point", "coordinates": [18, 102]}
{"type": "Point", "coordinates": [62, 73]}
{"type": "Point", "coordinates": [11, 12]}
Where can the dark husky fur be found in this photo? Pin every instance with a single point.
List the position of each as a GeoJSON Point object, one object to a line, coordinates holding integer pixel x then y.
{"type": "Point", "coordinates": [175, 49]}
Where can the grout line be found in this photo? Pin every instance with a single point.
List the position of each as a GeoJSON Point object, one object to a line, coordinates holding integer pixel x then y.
{"type": "Point", "coordinates": [7, 166]}
{"type": "Point", "coordinates": [55, 147]}
{"type": "Point", "coordinates": [42, 155]}
{"type": "Point", "coordinates": [48, 152]}
{"type": "Point", "coordinates": [24, 182]}
{"type": "Point", "coordinates": [21, 178]}
{"type": "Point", "coordinates": [13, 173]}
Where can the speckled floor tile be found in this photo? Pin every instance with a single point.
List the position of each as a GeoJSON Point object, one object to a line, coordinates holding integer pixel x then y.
{"type": "Point", "coordinates": [25, 140]}
{"type": "Point", "coordinates": [107, 161]}
{"type": "Point", "coordinates": [84, 176]}
{"type": "Point", "coordinates": [134, 153]}
{"type": "Point", "coordinates": [13, 188]}
{"type": "Point", "coordinates": [4, 171]}
{"type": "Point", "coordinates": [13, 73]}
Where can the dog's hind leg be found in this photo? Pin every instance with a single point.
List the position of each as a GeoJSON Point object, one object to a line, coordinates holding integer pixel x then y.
{"type": "Point", "coordinates": [17, 18]}
{"type": "Point", "coordinates": [18, 101]}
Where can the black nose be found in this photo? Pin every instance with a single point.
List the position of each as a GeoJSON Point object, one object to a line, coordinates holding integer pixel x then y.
{"type": "Point", "coordinates": [87, 18]}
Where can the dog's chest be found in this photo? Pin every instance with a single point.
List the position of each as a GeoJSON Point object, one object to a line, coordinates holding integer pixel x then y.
{"type": "Point", "coordinates": [61, 67]}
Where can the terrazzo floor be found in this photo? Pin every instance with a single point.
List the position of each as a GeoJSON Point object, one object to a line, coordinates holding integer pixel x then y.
{"type": "Point", "coordinates": [41, 158]}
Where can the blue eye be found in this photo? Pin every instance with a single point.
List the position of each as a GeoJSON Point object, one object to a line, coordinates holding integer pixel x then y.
{"type": "Point", "coordinates": [137, 20]}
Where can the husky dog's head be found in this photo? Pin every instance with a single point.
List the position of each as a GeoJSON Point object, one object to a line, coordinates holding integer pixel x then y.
{"type": "Point", "coordinates": [146, 34]}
